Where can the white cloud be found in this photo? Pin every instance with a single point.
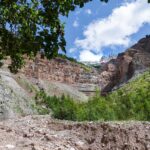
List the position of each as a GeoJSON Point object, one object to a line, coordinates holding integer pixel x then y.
{"type": "Point", "coordinates": [88, 11]}
{"type": "Point", "coordinates": [115, 29]}
{"type": "Point", "coordinates": [75, 23]}
{"type": "Point", "coordinates": [86, 55]}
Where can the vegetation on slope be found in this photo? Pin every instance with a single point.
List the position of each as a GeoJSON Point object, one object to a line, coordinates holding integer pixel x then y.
{"type": "Point", "coordinates": [131, 102]}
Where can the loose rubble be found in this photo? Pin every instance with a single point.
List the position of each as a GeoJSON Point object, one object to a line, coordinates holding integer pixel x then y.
{"type": "Point", "coordinates": [44, 133]}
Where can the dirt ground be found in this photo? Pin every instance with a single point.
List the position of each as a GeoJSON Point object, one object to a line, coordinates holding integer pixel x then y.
{"type": "Point", "coordinates": [44, 133]}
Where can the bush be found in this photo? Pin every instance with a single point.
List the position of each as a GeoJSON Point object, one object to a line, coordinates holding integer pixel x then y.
{"type": "Point", "coordinates": [132, 102]}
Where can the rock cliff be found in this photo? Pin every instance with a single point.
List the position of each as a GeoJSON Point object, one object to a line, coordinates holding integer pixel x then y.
{"type": "Point", "coordinates": [83, 78]}
{"type": "Point", "coordinates": [127, 64]}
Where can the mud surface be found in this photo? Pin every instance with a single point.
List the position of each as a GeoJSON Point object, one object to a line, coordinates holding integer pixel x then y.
{"type": "Point", "coordinates": [44, 133]}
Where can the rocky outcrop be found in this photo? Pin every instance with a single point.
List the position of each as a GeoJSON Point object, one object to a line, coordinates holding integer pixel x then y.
{"type": "Point", "coordinates": [117, 71]}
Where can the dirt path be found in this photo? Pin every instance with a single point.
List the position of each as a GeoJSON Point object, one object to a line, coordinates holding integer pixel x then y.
{"type": "Point", "coordinates": [44, 133]}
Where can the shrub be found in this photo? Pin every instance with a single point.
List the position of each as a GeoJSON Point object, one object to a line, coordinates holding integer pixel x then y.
{"type": "Point", "coordinates": [132, 102]}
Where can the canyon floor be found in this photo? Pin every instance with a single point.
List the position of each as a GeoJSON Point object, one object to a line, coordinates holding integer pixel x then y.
{"type": "Point", "coordinates": [44, 133]}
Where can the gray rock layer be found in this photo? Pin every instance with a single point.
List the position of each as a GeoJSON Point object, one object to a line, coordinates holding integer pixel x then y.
{"type": "Point", "coordinates": [14, 100]}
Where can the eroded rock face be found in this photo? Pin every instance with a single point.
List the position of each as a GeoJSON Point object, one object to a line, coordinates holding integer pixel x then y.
{"type": "Point", "coordinates": [134, 60]}
{"type": "Point", "coordinates": [116, 71]}
{"type": "Point", "coordinates": [63, 71]}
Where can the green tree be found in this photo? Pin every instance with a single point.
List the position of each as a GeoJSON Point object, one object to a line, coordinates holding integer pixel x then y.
{"type": "Point", "coordinates": [28, 26]}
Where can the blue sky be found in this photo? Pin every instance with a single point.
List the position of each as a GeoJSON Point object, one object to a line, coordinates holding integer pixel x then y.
{"type": "Point", "coordinates": [100, 29]}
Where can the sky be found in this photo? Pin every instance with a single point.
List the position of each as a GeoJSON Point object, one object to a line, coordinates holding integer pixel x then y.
{"type": "Point", "coordinates": [100, 29]}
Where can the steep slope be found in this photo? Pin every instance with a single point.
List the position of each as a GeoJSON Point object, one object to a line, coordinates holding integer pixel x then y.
{"type": "Point", "coordinates": [14, 100]}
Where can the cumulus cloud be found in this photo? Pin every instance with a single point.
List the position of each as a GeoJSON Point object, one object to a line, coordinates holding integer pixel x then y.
{"type": "Point", "coordinates": [86, 55]}
{"type": "Point", "coordinates": [88, 11]}
{"type": "Point", "coordinates": [116, 29]}
{"type": "Point", "coordinates": [75, 23]}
